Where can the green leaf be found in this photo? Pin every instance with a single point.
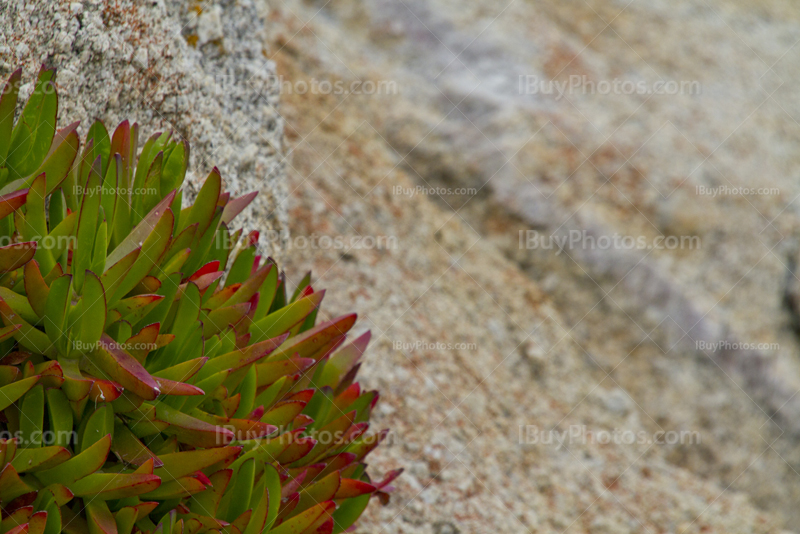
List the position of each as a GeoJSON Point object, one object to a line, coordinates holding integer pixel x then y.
{"type": "Point", "coordinates": [19, 304]}
{"type": "Point", "coordinates": [33, 133]}
{"type": "Point", "coordinates": [57, 306]}
{"type": "Point", "coordinates": [110, 486]}
{"type": "Point", "coordinates": [205, 205]}
{"type": "Point", "coordinates": [304, 521]}
{"type": "Point", "coordinates": [242, 266]}
{"type": "Point", "coordinates": [242, 489]}
{"type": "Point", "coordinates": [27, 335]}
{"type": "Point", "coordinates": [99, 518]}
{"type": "Point", "coordinates": [60, 416]}
{"type": "Point", "coordinates": [175, 167]}
{"type": "Point", "coordinates": [98, 425]}
{"type": "Point", "coordinates": [318, 492]}
{"type": "Point", "coordinates": [152, 249]}
{"type": "Point", "coordinates": [92, 312]}
{"type": "Point", "coordinates": [101, 144]}
{"type": "Point", "coordinates": [348, 513]}
{"type": "Point", "coordinates": [129, 448]}
{"type": "Point", "coordinates": [39, 458]}
{"type": "Point", "coordinates": [87, 225]}
{"type": "Point", "coordinates": [32, 420]}
{"type": "Point", "coordinates": [8, 105]}
{"type": "Point", "coordinates": [136, 237]}
{"type": "Point", "coordinates": [180, 464]}
{"type": "Point", "coordinates": [111, 189]}
{"type": "Point", "coordinates": [79, 466]}
{"type": "Point", "coordinates": [59, 160]}
{"type": "Point", "coordinates": [149, 197]}
{"type": "Point", "coordinates": [304, 283]}
{"type": "Point", "coordinates": [100, 243]}
{"type": "Point", "coordinates": [287, 317]}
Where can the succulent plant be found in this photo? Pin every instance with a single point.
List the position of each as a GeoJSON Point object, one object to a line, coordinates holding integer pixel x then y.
{"type": "Point", "coordinates": [138, 391]}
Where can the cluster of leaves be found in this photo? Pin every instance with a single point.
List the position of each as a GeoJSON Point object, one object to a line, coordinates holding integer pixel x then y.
{"type": "Point", "coordinates": [138, 392]}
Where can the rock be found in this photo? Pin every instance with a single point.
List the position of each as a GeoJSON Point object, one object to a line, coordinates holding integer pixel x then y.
{"type": "Point", "coordinates": [209, 25]}
{"type": "Point", "coordinates": [677, 324]}
{"type": "Point", "coordinates": [130, 60]}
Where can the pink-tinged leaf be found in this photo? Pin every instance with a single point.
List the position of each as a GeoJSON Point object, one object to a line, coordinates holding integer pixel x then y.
{"type": "Point", "coordinates": [241, 358]}
{"type": "Point", "coordinates": [179, 389]}
{"type": "Point", "coordinates": [283, 413]}
{"type": "Point", "coordinates": [312, 518]}
{"type": "Point", "coordinates": [389, 478]}
{"type": "Point", "coordinates": [18, 516]}
{"type": "Point", "coordinates": [116, 273]}
{"type": "Point", "coordinates": [250, 287]}
{"type": "Point", "coordinates": [76, 387]}
{"type": "Point", "coordinates": [138, 235]}
{"type": "Point", "coordinates": [337, 462]}
{"type": "Point", "coordinates": [16, 255]}
{"type": "Point", "coordinates": [12, 202]}
{"type": "Point", "coordinates": [341, 361]}
{"type": "Point", "coordinates": [347, 397]}
{"type": "Point", "coordinates": [108, 486]}
{"type": "Point", "coordinates": [210, 267]}
{"type": "Point", "coordinates": [320, 491]}
{"type": "Point", "coordinates": [63, 151]}
{"type": "Point", "coordinates": [36, 288]}
{"type": "Point", "coordinates": [313, 342]}
{"type": "Point", "coordinates": [19, 529]}
{"type": "Point", "coordinates": [124, 369]}
{"type": "Point", "coordinates": [297, 450]}
{"type": "Point", "coordinates": [302, 420]}
{"type": "Point", "coordinates": [236, 206]}
{"type": "Point", "coordinates": [205, 281]}
{"type": "Point", "coordinates": [252, 238]}
{"type": "Point", "coordinates": [99, 518]}
{"type": "Point", "coordinates": [104, 390]}
{"type": "Point", "coordinates": [183, 371]}
{"type": "Point", "coordinates": [11, 485]}
{"type": "Point", "coordinates": [324, 528]}
{"type": "Point", "coordinates": [144, 342]}
{"type": "Point", "coordinates": [8, 331]}
{"type": "Point", "coordinates": [350, 488]}
{"type": "Point", "coordinates": [303, 396]}
{"type": "Point", "coordinates": [293, 486]}
{"type": "Point", "coordinates": [149, 284]}
{"type": "Point", "coordinates": [221, 297]}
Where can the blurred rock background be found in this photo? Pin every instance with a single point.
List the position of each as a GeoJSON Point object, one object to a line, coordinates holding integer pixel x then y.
{"type": "Point", "coordinates": [458, 137]}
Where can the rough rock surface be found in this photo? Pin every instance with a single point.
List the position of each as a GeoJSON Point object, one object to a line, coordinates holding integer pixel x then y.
{"type": "Point", "coordinates": [135, 60]}
{"type": "Point", "coordinates": [486, 353]}
{"type": "Point", "coordinates": [639, 320]}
